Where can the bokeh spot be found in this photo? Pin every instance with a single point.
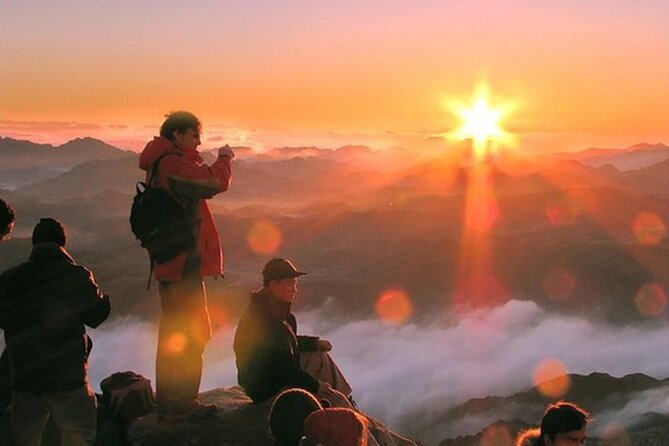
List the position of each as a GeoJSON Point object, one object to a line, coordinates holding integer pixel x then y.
{"type": "Point", "coordinates": [649, 228]}
{"type": "Point", "coordinates": [394, 306]}
{"type": "Point", "coordinates": [264, 238]}
{"type": "Point", "coordinates": [559, 284]}
{"type": "Point", "coordinates": [176, 343]}
{"type": "Point", "coordinates": [651, 300]}
{"type": "Point", "coordinates": [614, 434]}
{"type": "Point", "coordinates": [551, 378]}
{"type": "Point", "coordinates": [496, 435]}
{"type": "Point", "coordinates": [559, 214]}
{"type": "Point", "coordinates": [219, 317]}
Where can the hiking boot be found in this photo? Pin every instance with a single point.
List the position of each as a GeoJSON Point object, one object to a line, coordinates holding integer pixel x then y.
{"type": "Point", "coordinates": [201, 410]}
{"type": "Point", "coordinates": [194, 411]}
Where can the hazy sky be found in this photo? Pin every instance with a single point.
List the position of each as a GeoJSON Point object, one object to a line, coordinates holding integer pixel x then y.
{"type": "Point", "coordinates": [265, 73]}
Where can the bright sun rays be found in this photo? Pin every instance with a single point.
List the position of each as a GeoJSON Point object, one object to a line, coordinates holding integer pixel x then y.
{"type": "Point", "coordinates": [481, 123]}
{"type": "Point", "coordinates": [478, 281]}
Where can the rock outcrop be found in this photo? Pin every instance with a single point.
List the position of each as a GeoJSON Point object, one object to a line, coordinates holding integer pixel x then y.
{"type": "Point", "coordinates": [238, 422]}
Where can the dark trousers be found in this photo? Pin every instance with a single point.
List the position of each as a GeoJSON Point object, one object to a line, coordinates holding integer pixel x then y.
{"type": "Point", "coordinates": [184, 331]}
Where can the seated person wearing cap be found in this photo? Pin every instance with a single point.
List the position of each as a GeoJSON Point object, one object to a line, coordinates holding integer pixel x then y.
{"type": "Point", "coordinates": [270, 356]}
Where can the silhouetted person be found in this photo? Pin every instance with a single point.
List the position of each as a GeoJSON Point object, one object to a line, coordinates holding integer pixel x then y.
{"type": "Point", "coordinates": [287, 415]}
{"type": "Point", "coordinates": [563, 424]}
{"type": "Point", "coordinates": [7, 217]}
{"type": "Point", "coordinates": [45, 304]}
{"type": "Point", "coordinates": [184, 324]}
{"type": "Point", "coordinates": [271, 356]}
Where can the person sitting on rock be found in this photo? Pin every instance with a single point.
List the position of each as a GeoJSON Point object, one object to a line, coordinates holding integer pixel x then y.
{"type": "Point", "coordinates": [270, 356]}
{"type": "Point", "coordinates": [563, 424]}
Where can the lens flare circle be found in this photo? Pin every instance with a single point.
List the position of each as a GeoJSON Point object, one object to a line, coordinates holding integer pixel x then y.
{"type": "Point", "coordinates": [219, 317]}
{"type": "Point", "coordinates": [559, 214]}
{"type": "Point", "coordinates": [614, 434]}
{"type": "Point", "coordinates": [551, 378]}
{"type": "Point", "coordinates": [496, 435]}
{"type": "Point", "coordinates": [394, 306]}
{"type": "Point", "coordinates": [649, 228]}
{"type": "Point", "coordinates": [176, 343]}
{"type": "Point", "coordinates": [651, 300]}
{"type": "Point", "coordinates": [559, 284]}
{"type": "Point", "coordinates": [264, 238]}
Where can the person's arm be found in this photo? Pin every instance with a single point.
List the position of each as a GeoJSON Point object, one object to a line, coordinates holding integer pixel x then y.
{"type": "Point", "coordinates": [304, 343]}
{"type": "Point", "coordinates": [3, 301]}
{"type": "Point", "coordinates": [288, 373]}
{"type": "Point", "coordinates": [189, 179]}
{"type": "Point", "coordinates": [95, 305]}
{"type": "Point", "coordinates": [308, 343]}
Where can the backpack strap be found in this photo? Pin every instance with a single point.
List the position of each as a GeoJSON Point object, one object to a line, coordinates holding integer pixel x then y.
{"type": "Point", "coordinates": [154, 168]}
{"type": "Point", "coordinates": [148, 283]}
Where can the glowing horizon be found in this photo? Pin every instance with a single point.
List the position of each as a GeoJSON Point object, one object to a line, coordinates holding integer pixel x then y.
{"type": "Point", "coordinates": [266, 74]}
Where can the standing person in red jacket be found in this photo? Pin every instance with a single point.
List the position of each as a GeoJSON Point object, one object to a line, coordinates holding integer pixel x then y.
{"type": "Point", "coordinates": [184, 325]}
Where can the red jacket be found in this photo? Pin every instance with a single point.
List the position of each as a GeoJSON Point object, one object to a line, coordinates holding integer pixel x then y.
{"type": "Point", "coordinates": [184, 175]}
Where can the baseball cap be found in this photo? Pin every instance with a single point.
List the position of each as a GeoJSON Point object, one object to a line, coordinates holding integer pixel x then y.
{"type": "Point", "coordinates": [277, 269]}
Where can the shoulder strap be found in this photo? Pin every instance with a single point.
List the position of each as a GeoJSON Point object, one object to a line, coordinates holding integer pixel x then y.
{"type": "Point", "coordinates": [154, 168]}
{"type": "Point", "coordinates": [148, 283]}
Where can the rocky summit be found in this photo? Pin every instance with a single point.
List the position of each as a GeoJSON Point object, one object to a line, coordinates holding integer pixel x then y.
{"type": "Point", "coordinates": [237, 422]}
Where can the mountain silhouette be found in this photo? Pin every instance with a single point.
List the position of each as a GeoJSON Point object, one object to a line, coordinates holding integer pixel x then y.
{"type": "Point", "coordinates": [599, 393]}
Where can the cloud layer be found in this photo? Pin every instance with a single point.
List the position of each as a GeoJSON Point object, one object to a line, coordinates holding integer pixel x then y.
{"type": "Point", "coordinates": [396, 371]}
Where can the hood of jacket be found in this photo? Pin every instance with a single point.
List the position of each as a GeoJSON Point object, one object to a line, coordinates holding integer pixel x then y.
{"type": "Point", "coordinates": [160, 146]}
{"type": "Point", "coordinates": [263, 300]}
{"type": "Point", "coordinates": [46, 252]}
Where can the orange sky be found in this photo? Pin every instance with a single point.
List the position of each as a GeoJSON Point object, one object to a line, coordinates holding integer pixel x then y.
{"type": "Point", "coordinates": [268, 73]}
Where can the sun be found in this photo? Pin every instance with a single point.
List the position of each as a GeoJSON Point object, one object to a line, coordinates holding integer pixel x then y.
{"type": "Point", "coordinates": [481, 123]}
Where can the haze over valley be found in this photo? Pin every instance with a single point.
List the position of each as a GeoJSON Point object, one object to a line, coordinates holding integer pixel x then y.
{"type": "Point", "coordinates": [441, 285]}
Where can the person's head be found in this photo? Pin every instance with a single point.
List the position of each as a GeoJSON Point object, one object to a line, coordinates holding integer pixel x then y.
{"type": "Point", "coordinates": [182, 128]}
{"type": "Point", "coordinates": [280, 277]}
{"type": "Point", "coordinates": [564, 424]}
{"type": "Point", "coordinates": [49, 230]}
{"type": "Point", "coordinates": [336, 427]}
{"type": "Point", "coordinates": [7, 217]}
{"type": "Point", "coordinates": [287, 415]}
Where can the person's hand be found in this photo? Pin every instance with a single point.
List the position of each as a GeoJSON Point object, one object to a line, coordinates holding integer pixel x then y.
{"type": "Point", "coordinates": [226, 151]}
{"type": "Point", "coordinates": [335, 397]}
{"type": "Point", "coordinates": [323, 345]}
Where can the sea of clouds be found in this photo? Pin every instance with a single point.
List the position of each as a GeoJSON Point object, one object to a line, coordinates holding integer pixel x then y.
{"type": "Point", "coordinates": [399, 370]}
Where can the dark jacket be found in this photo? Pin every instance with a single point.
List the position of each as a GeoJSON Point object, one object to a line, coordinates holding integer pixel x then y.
{"type": "Point", "coordinates": [44, 304]}
{"type": "Point", "coordinates": [267, 349]}
{"type": "Point", "coordinates": [186, 178]}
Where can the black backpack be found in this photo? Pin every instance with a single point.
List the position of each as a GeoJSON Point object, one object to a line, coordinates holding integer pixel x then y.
{"type": "Point", "coordinates": [126, 396]}
{"type": "Point", "coordinates": [159, 221]}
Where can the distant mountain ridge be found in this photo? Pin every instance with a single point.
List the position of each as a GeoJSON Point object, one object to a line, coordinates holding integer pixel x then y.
{"type": "Point", "coordinates": [634, 157]}
{"type": "Point", "coordinates": [601, 394]}
{"type": "Point", "coordinates": [21, 153]}
{"type": "Point", "coordinates": [23, 162]}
